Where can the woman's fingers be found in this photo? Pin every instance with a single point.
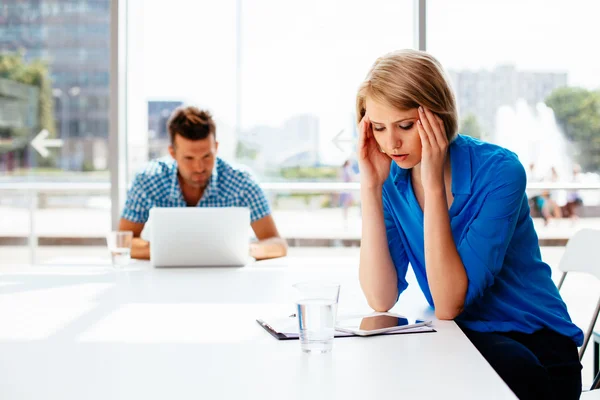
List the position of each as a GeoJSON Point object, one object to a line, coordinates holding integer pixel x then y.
{"type": "Point", "coordinates": [435, 131]}
{"type": "Point", "coordinates": [442, 126]}
{"type": "Point", "coordinates": [427, 128]}
{"type": "Point", "coordinates": [362, 139]}
{"type": "Point", "coordinates": [367, 127]}
{"type": "Point", "coordinates": [439, 130]}
{"type": "Point", "coordinates": [424, 138]}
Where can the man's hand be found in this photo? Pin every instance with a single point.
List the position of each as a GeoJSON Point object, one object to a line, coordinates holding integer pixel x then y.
{"type": "Point", "coordinates": [270, 244]}
{"type": "Point", "coordinates": [140, 248]}
{"type": "Point", "coordinates": [255, 251]}
{"type": "Point", "coordinates": [268, 248]}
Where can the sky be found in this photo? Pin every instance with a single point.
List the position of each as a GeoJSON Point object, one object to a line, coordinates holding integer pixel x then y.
{"type": "Point", "coordinates": [309, 56]}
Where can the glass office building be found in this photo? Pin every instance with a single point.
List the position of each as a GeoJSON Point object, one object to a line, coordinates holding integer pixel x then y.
{"type": "Point", "coordinates": [72, 39]}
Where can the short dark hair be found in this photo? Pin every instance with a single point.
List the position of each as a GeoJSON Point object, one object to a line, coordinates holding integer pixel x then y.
{"type": "Point", "coordinates": [191, 123]}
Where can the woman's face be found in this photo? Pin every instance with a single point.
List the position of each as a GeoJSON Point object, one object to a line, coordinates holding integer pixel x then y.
{"type": "Point", "coordinates": [395, 132]}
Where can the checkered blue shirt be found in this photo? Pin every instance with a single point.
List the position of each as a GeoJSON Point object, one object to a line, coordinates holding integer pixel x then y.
{"type": "Point", "coordinates": [158, 186]}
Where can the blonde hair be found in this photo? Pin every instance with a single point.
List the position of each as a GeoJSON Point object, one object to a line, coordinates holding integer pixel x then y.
{"type": "Point", "coordinates": [407, 79]}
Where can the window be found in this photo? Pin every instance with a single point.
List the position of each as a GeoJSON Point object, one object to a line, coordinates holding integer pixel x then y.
{"type": "Point", "coordinates": [29, 107]}
{"type": "Point", "coordinates": [519, 71]}
{"type": "Point", "coordinates": [281, 81]}
{"type": "Point", "coordinates": [300, 72]}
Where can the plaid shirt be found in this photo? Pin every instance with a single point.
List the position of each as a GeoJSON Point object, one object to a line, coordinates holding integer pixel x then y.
{"type": "Point", "coordinates": [158, 186]}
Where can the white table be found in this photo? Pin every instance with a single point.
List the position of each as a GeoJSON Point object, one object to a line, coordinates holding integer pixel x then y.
{"type": "Point", "coordinates": [74, 332]}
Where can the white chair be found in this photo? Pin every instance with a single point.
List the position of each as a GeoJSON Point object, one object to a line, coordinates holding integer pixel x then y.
{"type": "Point", "coordinates": [590, 395]}
{"type": "Point", "coordinates": [582, 254]}
{"type": "Point", "coordinates": [593, 393]}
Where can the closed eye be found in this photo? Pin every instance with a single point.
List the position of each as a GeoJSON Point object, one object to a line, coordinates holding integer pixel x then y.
{"type": "Point", "coordinates": [405, 127]}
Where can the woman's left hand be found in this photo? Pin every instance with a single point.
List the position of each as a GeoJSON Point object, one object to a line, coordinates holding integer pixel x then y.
{"type": "Point", "coordinates": [435, 145]}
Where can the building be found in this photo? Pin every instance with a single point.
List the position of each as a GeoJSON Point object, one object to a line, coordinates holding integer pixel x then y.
{"type": "Point", "coordinates": [73, 37]}
{"type": "Point", "coordinates": [159, 112]}
{"type": "Point", "coordinates": [158, 115]}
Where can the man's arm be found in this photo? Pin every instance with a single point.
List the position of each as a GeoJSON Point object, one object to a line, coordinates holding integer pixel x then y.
{"type": "Point", "coordinates": [270, 244]}
{"type": "Point", "coordinates": [140, 248]}
{"type": "Point", "coordinates": [135, 215]}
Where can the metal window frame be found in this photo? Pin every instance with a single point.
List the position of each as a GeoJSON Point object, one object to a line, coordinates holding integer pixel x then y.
{"type": "Point", "coordinates": [117, 137]}
{"type": "Point", "coordinates": [420, 25]}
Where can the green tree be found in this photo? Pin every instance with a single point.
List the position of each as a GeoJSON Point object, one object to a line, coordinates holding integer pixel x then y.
{"type": "Point", "coordinates": [577, 112]}
{"type": "Point", "coordinates": [36, 73]}
{"type": "Point", "coordinates": [469, 126]}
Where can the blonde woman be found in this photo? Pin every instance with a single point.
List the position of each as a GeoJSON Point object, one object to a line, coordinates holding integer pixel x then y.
{"type": "Point", "coordinates": [455, 209]}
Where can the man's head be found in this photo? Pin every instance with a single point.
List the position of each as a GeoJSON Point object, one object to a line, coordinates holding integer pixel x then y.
{"type": "Point", "coordinates": [193, 144]}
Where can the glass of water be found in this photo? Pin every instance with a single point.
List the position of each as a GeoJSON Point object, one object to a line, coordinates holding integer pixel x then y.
{"type": "Point", "coordinates": [119, 246]}
{"type": "Point", "coordinates": [317, 310]}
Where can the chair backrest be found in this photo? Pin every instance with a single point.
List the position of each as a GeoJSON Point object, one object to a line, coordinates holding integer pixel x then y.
{"type": "Point", "coordinates": [582, 254]}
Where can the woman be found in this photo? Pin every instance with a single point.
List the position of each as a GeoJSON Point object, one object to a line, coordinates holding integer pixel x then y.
{"type": "Point", "coordinates": [456, 209]}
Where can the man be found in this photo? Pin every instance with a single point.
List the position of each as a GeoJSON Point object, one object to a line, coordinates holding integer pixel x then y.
{"type": "Point", "coordinates": [196, 177]}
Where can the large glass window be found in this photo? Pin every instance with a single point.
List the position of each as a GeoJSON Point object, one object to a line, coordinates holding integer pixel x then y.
{"type": "Point", "coordinates": [191, 59]}
{"type": "Point", "coordinates": [280, 79]}
{"type": "Point", "coordinates": [300, 72]}
{"type": "Point", "coordinates": [54, 68]}
{"type": "Point", "coordinates": [526, 78]}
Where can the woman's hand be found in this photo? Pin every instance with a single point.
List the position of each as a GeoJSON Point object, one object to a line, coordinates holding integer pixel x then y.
{"type": "Point", "coordinates": [374, 165]}
{"type": "Point", "coordinates": [435, 146]}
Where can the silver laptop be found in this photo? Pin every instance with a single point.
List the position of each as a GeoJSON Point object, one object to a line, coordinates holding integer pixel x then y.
{"type": "Point", "coordinates": [199, 236]}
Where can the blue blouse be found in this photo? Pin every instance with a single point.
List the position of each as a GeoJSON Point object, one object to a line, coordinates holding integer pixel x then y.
{"type": "Point", "coordinates": [510, 287]}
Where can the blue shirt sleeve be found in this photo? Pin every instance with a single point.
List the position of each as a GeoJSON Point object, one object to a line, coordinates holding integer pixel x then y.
{"type": "Point", "coordinates": [483, 246]}
{"type": "Point", "coordinates": [254, 198]}
{"type": "Point", "coordinates": [395, 246]}
{"type": "Point", "coordinates": [137, 206]}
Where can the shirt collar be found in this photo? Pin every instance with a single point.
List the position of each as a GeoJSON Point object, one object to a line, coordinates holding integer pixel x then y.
{"type": "Point", "coordinates": [460, 160]}
{"type": "Point", "coordinates": [211, 189]}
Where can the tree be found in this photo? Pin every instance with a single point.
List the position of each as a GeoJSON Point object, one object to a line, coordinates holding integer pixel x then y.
{"type": "Point", "coordinates": [469, 126]}
{"type": "Point", "coordinates": [35, 73]}
{"type": "Point", "coordinates": [577, 112]}
{"type": "Point", "coordinates": [14, 67]}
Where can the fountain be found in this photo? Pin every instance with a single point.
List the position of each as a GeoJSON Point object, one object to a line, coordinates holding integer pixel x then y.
{"type": "Point", "coordinates": [533, 134]}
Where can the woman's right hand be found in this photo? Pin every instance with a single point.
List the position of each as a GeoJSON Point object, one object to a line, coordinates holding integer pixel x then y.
{"type": "Point", "coordinates": [373, 164]}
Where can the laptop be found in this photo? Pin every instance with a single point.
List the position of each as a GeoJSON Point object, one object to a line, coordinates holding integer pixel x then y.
{"type": "Point", "coordinates": [199, 236]}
